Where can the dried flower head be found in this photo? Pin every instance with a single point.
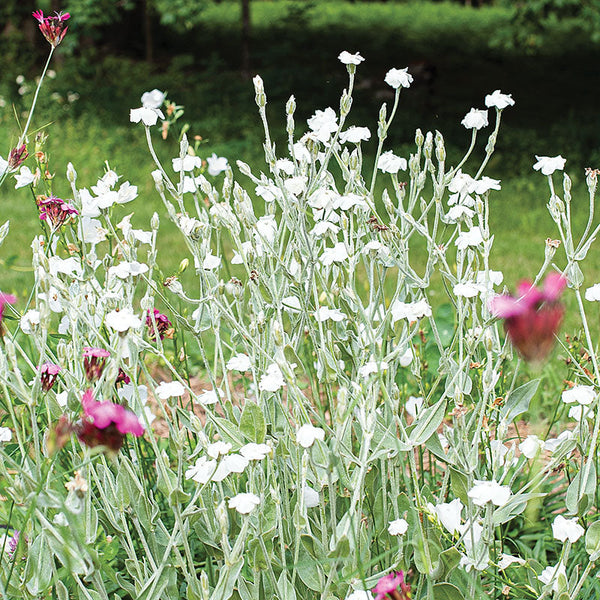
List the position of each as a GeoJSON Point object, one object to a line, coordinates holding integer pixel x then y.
{"type": "Point", "coordinates": [56, 211]}
{"type": "Point", "coordinates": [163, 325]}
{"type": "Point", "coordinates": [17, 157]}
{"type": "Point", "coordinates": [94, 360]}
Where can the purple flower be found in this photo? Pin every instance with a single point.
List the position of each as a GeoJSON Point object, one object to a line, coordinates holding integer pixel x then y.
{"type": "Point", "coordinates": [392, 587]}
{"type": "Point", "coordinates": [93, 362]}
{"type": "Point", "coordinates": [106, 424]}
{"type": "Point", "coordinates": [122, 378]}
{"type": "Point", "coordinates": [56, 211]}
{"type": "Point", "coordinates": [52, 28]}
{"type": "Point", "coordinates": [49, 372]}
{"type": "Point", "coordinates": [163, 325]}
{"type": "Point", "coordinates": [532, 318]}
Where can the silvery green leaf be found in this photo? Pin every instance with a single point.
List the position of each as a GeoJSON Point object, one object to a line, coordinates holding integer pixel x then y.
{"type": "Point", "coordinates": [582, 489]}
{"type": "Point", "coordinates": [38, 570]}
{"type": "Point", "coordinates": [446, 591]}
{"type": "Point", "coordinates": [427, 422]}
{"type": "Point", "coordinates": [592, 541]}
{"type": "Point", "coordinates": [252, 423]}
{"type": "Point", "coordinates": [515, 506]}
{"type": "Point", "coordinates": [227, 581]}
{"type": "Point", "coordinates": [4, 231]}
{"type": "Point", "coordinates": [584, 249]}
{"type": "Point", "coordinates": [518, 401]}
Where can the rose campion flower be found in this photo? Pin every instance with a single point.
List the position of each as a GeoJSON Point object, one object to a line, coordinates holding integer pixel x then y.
{"type": "Point", "coordinates": [105, 423]}
{"type": "Point", "coordinates": [499, 100]}
{"type": "Point", "coordinates": [4, 300]}
{"type": "Point", "coordinates": [17, 157]}
{"type": "Point", "coordinates": [475, 119]}
{"type": "Point", "coordinates": [350, 59]}
{"type": "Point", "coordinates": [48, 374]}
{"type": "Point", "coordinates": [392, 587]}
{"type": "Point", "coordinates": [533, 317]}
{"type": "Point", "coordinates": [397, 78]}
{"type": "Point", "coordinates": [93, 362]}
{"type": "Point", "coordinates": [52, 28]}
{"type": "Point", "coordinates": [548, 164]}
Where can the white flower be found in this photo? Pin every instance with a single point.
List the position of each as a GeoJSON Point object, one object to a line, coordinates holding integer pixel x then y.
{"type": "Point", "coordinates": [493, 277]}
{"type": "Point", "coordinates": [323, 123]}
{"type": "Point", "coordinates": [499, 100]}
{"type": "Point", "coordinates": [336, 254]}
{"type": "Point", "coordinates": [202, 471]}
{"type": "Point", "coordinates": [29, 320]}
{"type": "Point", "coordinates": [272, 380]}
{"type": "Point", "coordinates": [93, 232]}
{"type": "Point", "coordinates": [24, 177]}
{"type": "Point", "coordinates": [583, 394]}
{"type": "Point", "coordinates": [506, 560]}
{"type": "Point", "coordinates": [567, 529]}
{"type": "Point", "coordinates": [475, 119]}
{"type": "Point", "coordinates": [5, 434]}
{"type": "Point", "coordinates": [548, 164]}
{"type": "Point", "coordinates": [531, 445]}
{"type": "Point", "coordinates": [122, 320]}
{"type": "Point", "coordinates": [552, 444]}
{"type": "Point", "coordinates": [239, 362]}
{"type": "Point", "coordinates": [217, 449]}
{"type": "Point", "coordinates": [62, 398]}
{"type": "Point", "coordinates": [211, 262]}
{"type": "Point", "coordinates": [413, 406]}
{"type": "Point", "coordinates": [232, 463]}
{"type": "Point", "coordinates": [285, 165]}
{"type": "Point", "coordinates": [489, 491]}
{"type": "Point", "coordinates": [372, 367]}
{"type": "Point", "coordinates": [551, 574]}
{"type": "Point", "coordinates": [398, 78]}
{"type": "Point", "coordinates": [153, 99]}
{"type": "Point", "coordinates": [472, 237]}
{"type": "Point", "coordinates": [406, 358]}
{"type": "Point", "coordinates": [148, 116]}
{"type": "Point", "coordinates": [323, 313]}
{"type": "Point", "coordinates": [169, 389]}
{"type": "Point", "coordinates": [187, 163]}
{"type": "Point", "coordinates": [466, 290]}
{"type": "Point", "coordinates": [458, 212]}
{"type": "Point", "coordinates": [355, 135]}
{"type": "Point", "coordinates": [307, 434]}
{"type": "Point", "coordinates": [390, 163]}
{"type": "Point", "coordinates": [254, 451]}
{"type": "Point", "coordinates": [124, 269]}
{"type": "Point", "coordinates": [592, 294]}
{"type": "Point", "coordinates": [291, 304]}
{"type": "Point", "coordinates": [360, 595]}
{"type": "Point", "coordinates": [311, 497]}
{"type": "Point", "coordinates": [578, 412]}
{"type": "Point", "coordinates": [350, 59]}
{"type": "Point", "coordinates": [410, 311]}
{"type": "Point", "coordinates": [449, 514]}
{"type": "Point", "coordinates": [485, 184]}
{"type": "Point", "coordinates": [244, 503]}
{"type": "Point", "coordinates": [210, 397]}
{"type": "Point", "coordinates": [216, 164]}
{"type": "Point", "coordinates": [398, 527]}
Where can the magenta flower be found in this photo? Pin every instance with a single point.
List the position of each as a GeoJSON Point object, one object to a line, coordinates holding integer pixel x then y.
{"type": "Point", "coordinates": [122, 378]}
{"type": "Point", "coordinates": [392, 587]}
{"type": "Point", "coordinates": [533, 317]}
{"type": "Point", "coordinates": [52, 28]}
{"type": "Point", "coordinates": [94, 360]}
{"type": "Point", "coordinates": [56, 211]}
{"type": "Point", "coordinates": [49, 372]}
{"type": "Point", "coordinates": [4, 300]}
{"type": "Point", "coordinates": [106, 424]}
{"type": "Point", "coordinates": [163, 325]}
{"type": "Point", "coordinates": [17, 157]}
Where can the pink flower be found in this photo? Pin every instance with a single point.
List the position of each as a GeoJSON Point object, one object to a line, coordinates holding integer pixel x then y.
{"type": "Point", "coordinates": [106, 424]}
{"type": "Point", "coordinates": [93, 362]}
{"type": "Point", "coordinates": [392, 587]}
{"type": "Point", "coordinates": [5, 299]}
{"type": "Point", "coordinates": [49, 372]}
{"type": "Point", "coordinates": [52, 28]}
{"type": "Point", "coordinates": [533, 317]}
{"type": "Point", "coordinates": [56, 211]}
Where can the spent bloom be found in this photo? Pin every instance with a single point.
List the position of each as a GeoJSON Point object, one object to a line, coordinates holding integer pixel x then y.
{"type": "Point", "coordinates": [48, 374]}
{"type": "Point", "coordinates": [163, 325]}
{"type": "Point", "coordinates": [17, 156]}
{"type": "Point", "coordinates": [52, 28]}
{"type": "Point", "coordinates": [105, 423]}
{"type": "Point", "coordinates": [94, 360]}
{"type": "Point", "coordinates": [532, 318]}
{"type": "Point", "coordinates": [55, 211]}
{"type": "Point", "coordinates": [392, 587]}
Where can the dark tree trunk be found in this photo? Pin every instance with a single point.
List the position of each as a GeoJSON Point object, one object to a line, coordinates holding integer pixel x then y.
{"type": "Point", "coordinates": [246, 38]}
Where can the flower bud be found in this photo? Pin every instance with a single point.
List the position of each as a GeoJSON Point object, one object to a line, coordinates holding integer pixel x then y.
{"type": "Point", "coordinates": [259, 90]}
{"type": "Point", "coordinates": [290, 106]}
{"type": "Point", "coordinates": [155, 221]}
{"type": "Point", "coordinates": [71, 173]}
{"type": "Point", "coordinates": [419, 139]}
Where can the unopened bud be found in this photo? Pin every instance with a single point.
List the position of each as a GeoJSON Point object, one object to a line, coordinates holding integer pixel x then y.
{"type": "Point", "coordinates": [290, 107]}
{"type": "Point", "coordinates": [259, 90]}
{"type": "Point", "coordinates": [71, 173]}
{"type": "Point", "coordinates": [155, 221]}
{"type": "Point", "coordinates": [419, 139]}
